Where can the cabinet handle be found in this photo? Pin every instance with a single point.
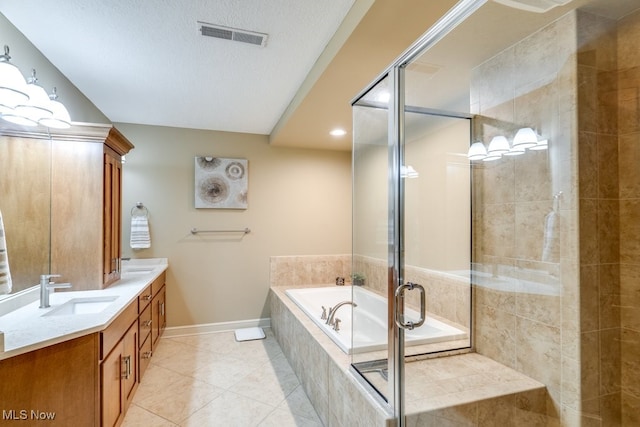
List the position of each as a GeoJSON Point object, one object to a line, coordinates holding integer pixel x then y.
{"type": "Point", "coordinates": [147, 323]}
{"type": "Point", "coordinates": [162, 308]}
{"type": "Point", "coordinates": [147, 354]}
{"type": "Point", "coordinates": [127, 367]}
{"type": "Point", "coordinates": [146, 297]}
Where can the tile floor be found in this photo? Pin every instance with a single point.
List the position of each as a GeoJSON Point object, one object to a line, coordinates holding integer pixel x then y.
{"type": "Point", "coordinates": [212, 380]}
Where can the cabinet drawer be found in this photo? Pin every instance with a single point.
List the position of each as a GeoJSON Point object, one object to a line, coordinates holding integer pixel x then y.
{"type": "Point", "coordinates": [145, 323]}
{"type": "Point", "coordinates": [158, 283]}
{"type": "Point", "coordinates": [112, 334]}
{"type": "Point", "coordinates": [145, 356]}
{"type": "Point", "coordinates": [145, 298]}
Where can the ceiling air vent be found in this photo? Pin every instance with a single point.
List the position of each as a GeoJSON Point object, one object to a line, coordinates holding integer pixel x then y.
{"type": "Point", "coordinates": [539, 6]}
{"type": "Point", "coordinates": [226, 33]}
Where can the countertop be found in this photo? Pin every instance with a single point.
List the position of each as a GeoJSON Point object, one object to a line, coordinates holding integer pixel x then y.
{"type": "Point", "coordinates": [28, 328]}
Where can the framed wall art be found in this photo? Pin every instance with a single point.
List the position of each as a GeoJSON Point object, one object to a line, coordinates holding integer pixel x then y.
{"type": "Point", "coordinates": [221, 183]}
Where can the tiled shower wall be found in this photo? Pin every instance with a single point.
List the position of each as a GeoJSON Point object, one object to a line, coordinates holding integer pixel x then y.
{"type": "Point", "coordinates": [577, 82]}
{"type": "Point", "coordinates": [526, 306]}
{"type": "Point", "coordinates": [629, 161]}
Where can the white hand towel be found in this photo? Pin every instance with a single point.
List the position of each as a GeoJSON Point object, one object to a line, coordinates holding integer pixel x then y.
{"type": "Point", "coordinates": [140, 237]}
{"type": "Point", "coordinates": [5, 273]}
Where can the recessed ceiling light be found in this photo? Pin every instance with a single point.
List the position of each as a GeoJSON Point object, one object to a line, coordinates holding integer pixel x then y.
{"type": "Point", "coordinates": [338, 132]}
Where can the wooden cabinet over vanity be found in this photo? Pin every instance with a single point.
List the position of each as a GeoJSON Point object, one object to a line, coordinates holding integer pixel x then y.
{"type": "Point", "coordinates": [86, 205]}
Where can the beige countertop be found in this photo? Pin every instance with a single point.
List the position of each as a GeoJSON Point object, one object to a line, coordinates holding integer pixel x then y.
{"type": "Point", "coordinates": [30, 328]}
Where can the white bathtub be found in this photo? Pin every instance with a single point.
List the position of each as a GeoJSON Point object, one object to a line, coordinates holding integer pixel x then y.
{"type": "Point", "coordinates": [370, 315]}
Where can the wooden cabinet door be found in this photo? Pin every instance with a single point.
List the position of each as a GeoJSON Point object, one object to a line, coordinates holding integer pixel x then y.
{"type": "Point", "coordinates": [112, 398]}
{"type": "Point", "coordinates": [130, 363]}
{"type": "Point", "coordinates": [112, 218]}
{"type": "Point", "coordinates": [159, 316]}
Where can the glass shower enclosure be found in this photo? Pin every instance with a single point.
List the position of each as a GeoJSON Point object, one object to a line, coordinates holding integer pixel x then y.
{"type": "Point", "coordinates": [497, 157]}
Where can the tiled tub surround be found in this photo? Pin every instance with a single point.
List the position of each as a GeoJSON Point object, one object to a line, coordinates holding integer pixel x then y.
{"type": "Point", "coordinates": [467, 389]}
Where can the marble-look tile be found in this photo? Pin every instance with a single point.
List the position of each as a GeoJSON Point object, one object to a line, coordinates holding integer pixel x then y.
{"type": "Point", "coordinates": [180, 399]}
{"type": "Point", "coordinates": [299, 404]}
{"type": "Point", "coordinates": [280, 418]}
{"type": "Point", "coordinates": [630, 410]}
{"type": "Point", "coordinates": [587, 99]}
{"type": "Point", "coordinates": [611, 364]}
{"type": "Point", "coordinates": [589, 250]}
{"type": "Point", "coordinates": [628, 160]}
{"type": "Point", "coordinates": [588, 165]}
{"type": "Point", "coordinates": [589, 298]}
{"type": "Point", "coordinates": [229, 409]}
{"type": "Point", "coordinates": [140, 417]}
{"type": "Point", "coordinates": [609, 231]}
{"type": "Point", "coordinates": [630, 228]}
{"type": "Point", "coordinates": [538, 351]}
{"type": "Point", "coordinates": [267, 385]}
{"type": "Point", "coordinates": [590, 365]}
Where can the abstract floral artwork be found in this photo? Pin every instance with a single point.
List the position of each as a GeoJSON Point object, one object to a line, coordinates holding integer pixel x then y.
{"type": "Point", "coordinates": [221, 183]}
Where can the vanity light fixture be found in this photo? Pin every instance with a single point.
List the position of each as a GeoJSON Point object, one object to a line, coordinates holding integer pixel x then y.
{"type": "Point", "coordinates": [338, 132]}
{"type": "Point", "coordinates": [542, 144]}
{"type": "Point", "coordinates": [60, 118]}
{"type": "Point", "coordinates": [13, 86]}
{"type": "Point", "coordinates": [27, 103]}
{"type": "Point", "coordinates": [515, 151]}
{"type": "Point", "coordinates": [37, 107]}
{"type": "Point", "coordinates": [408, 172]}
{"type": "Point", "coordinates": [525, 138]}
{"type": "Point", "coordinates": [477, 151]}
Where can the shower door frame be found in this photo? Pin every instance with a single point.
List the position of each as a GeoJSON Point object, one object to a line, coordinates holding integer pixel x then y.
{"type": "Point", "coordinates": [395, 73]}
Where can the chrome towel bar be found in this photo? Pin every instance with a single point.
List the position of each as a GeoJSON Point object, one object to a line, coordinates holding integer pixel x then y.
{"type": "Point", "coordinates": [196, 231]}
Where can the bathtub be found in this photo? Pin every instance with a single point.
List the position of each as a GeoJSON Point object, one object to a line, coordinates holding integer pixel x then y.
{"type": "Point", "coordinates": [370, 316]}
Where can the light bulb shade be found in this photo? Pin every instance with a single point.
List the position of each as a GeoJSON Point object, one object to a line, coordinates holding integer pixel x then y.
{"type": "Point", "coordinates": [543, 144]}
{"type": "Point", "coordinates": [477, 151]}
{"type": "Point", "coordinates": [525, 137]}
{"type": "Point", "coordinates": [36, 108]}
{"type": "Point", "coordinates": [60, 118]}
{"type": "Point", "coordinates": [492, 157]}
{"type": "Point", "coordinates": [498, 146]}
{"type": "Point", "coordinates": [515, 151]}
{"type": "Point", "coordinates": [13, 86]}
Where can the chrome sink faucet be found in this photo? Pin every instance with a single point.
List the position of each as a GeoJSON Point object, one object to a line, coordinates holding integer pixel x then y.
{"type": "Point", "coordinates": [332, 311]}
{"type": "Point", "coordinates": [46, 285]}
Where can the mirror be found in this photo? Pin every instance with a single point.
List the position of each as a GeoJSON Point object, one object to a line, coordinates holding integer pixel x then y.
{"type": "Point", "coordinates": [25, 204]}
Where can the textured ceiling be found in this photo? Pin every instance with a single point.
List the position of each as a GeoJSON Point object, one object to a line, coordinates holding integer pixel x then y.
{"type": "Point", "coordinates": [145, 62]}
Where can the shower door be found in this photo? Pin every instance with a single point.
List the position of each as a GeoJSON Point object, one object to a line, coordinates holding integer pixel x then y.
{"type": "Point", "coordinates": [411, 237]}
{"type": "Point", "coordinates": [411, 224]}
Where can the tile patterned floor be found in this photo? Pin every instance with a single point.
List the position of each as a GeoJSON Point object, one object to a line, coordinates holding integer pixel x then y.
{"type": "Point", "coordinates": [212, 380]}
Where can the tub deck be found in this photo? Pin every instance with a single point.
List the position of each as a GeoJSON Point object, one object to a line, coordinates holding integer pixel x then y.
{"type": "Point", "coordinates": [470, 389]}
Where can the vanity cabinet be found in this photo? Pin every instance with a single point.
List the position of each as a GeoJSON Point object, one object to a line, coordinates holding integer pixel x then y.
{"type": "Point", "coordinates": [159, 314]}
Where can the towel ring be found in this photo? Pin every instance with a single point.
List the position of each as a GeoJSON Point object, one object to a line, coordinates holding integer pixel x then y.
{"type": "Point", "coordinates": [140, 206]}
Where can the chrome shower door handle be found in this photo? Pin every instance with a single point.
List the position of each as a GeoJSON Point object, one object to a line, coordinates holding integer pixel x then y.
{"type": "Point", "coordinates": [400, 321]}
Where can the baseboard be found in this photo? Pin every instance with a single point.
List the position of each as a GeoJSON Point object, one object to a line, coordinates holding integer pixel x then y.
{"type": "Point", "coordinates": [177, 331]}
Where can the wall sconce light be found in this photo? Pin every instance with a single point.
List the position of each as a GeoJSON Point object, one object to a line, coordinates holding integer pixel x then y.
{"type": "Point", "coordinates": [477, 151]}
{"type": "Point", "coordinates": [27, 103]}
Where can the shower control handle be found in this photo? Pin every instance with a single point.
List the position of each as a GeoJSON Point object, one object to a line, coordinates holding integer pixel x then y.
{"type": "Point", "coordinates": [400, 320]}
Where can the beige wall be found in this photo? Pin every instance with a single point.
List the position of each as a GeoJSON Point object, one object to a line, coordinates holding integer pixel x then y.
{"type": "Point", "coordinates": [299, 204]}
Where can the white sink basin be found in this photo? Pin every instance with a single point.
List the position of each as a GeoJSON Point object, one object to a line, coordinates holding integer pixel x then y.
{"type": "Point", "coordinates": [89, 305]}
{"type": "Point", "coordinates": [137, 270]}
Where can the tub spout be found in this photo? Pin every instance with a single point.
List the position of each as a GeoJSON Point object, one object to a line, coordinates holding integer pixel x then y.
{"type": "Point", "coordinates": [332, 311]}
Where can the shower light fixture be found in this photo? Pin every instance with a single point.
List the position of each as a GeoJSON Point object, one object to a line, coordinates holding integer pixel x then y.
{"type": "Point", "coordinates": [27, 103]}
